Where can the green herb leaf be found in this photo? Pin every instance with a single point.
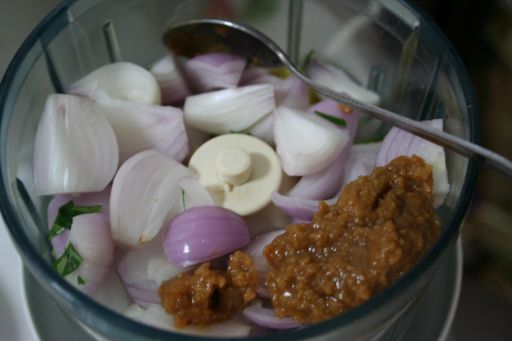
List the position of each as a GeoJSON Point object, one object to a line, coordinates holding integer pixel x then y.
{"type": "Point", "coordinates": [66, 214]}
{"type": "Point", "coordinates": [336, 120]}
{"type": "Point", "coordinates": [305, 64]}
{"type": "Point", "coordinates": [80, 280]}
{"type": "Point", "coordinates": [68, 262]}
{"type": "Point", "coordinates": [183, 196]}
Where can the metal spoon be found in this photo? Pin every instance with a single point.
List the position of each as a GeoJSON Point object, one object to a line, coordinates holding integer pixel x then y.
{"type": "Point", "coordinates": [217, 35]}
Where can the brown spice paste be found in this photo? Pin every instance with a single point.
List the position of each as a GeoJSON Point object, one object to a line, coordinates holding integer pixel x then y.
{"type": "Point", "coordinates": [379, 228]}
{"type": "Point", "coordinates": [204, 296]}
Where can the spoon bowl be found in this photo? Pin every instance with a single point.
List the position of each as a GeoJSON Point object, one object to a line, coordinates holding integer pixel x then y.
{"type": "Point", "coordinates": [201, 36]}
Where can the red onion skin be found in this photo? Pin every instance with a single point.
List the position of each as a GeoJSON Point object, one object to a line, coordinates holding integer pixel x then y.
{"type": "Point", "coordinates": [203, 233]}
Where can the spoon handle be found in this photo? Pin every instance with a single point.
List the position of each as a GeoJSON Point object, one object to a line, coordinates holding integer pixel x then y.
{"type": "Point", "coordinates": [439, 137]}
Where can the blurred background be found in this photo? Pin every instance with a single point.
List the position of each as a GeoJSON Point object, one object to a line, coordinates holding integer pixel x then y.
{"type": "Point", "coordinates": [481, 31]}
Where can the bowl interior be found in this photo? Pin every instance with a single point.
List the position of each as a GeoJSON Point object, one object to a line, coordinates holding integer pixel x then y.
{"type": "Point", "coordinates": [385, 45]}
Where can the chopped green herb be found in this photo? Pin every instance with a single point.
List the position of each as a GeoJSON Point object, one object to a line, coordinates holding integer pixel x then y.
{"type": "Point", "coordinates": [183, 195]}
{"type": "Point", "coordinates": [68, 262]}
{"type": "Point", "coordinates": [80, 280]}
{"type": "Point", "coordinates": [65, 216]}
{"type": "Point", "coordinates": [305, 64]}
{"type": "Point", "coordinates": [336, 120]}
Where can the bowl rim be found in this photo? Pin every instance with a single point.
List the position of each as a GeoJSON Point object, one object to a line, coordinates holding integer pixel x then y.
{"type": "Point", "coordinates": [60, 287]}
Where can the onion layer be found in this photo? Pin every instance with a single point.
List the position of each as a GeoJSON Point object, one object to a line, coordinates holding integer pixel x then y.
{"type": "Point", "coordinates": [336, 79]}
{"type": "Point", "coordinates": [75, 149]}
{"type": "Point", "coordinates": [306, 143]}
{"type": "Point", "coordinates": [399, 142]}
{"type": "Point", "coordinates": [113, 294]}
{"type": "Point", "coordinates": [327, 182]}
{"type": "Point", "coordinates": [255, 249]}
{"type": "Point", "coordinates": [173, 87]}
{"type": "Point", "coordinates": [203, 233]}
{"type": "Point", "coordinates": [125, 81]}
{"type": "Point", "coordinates": [229, 110]}
{"type": "Point", "coordinates": [60, 241]}
{"type": "Point", "coordinates": [140, 127]}
{"type": "Point", "coordinates": [217, 70]}
{"type": "Point", "coordinates": [90, 235]}
{"type": "Point", "coordinates": [265, 317]}
{"type": "Point", "coordinates": [143, 270]}
{"type": "Point", "coordinates": [193, 194]}
{"type": "Point", "coordinates": [145, 196]}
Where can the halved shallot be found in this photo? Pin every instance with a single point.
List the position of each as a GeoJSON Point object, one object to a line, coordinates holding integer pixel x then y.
{"type": "Point", "coordinates": [75, 149]}
{"type": "Point", "coordinates": [203, 233]}
{"type": "Point", "coordinates": [338, 80]}
{"type": "Point", "coordinates": [399, 142]}
{"type": "Point", "coordinates": [60, 241]}
{"type": "Point", "coordinates": [173, 86]}
{"type": "Point", "coordinates": [122, 80]}
{"type": "Point", "coordinates": [143, 270]}
{"type": "Point", "coordinates": [112, 293]}
{"type": "Point", "coordinates": [229, 110]}
{"type": "Point", "coordinates": [306, 143]}
{"type": "Point", "coordinates": [140, 127]}
{"type": "Point", "coordinates": [90, 237]}
{"type": "Point", "coordinates": [216, 70]}
{"type": "Point", "coordinates": [328, 181]}
{"type": "Point", "coordinates": [145, 196]}
{"type": "Point", "coordinates": [193, 194]}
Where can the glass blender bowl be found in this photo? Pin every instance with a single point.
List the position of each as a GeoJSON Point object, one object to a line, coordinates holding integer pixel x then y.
{"type": "Point", "coordinates": [386, 45]}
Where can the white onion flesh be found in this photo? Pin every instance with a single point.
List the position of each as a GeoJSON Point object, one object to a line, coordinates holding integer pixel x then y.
{"type": "Point", "coordinates": [338, 80]}
{"type": "Point", "coordinates": [90, 236]}
{"type": "Point", "coordinates": [75, 149]}
{"type": "Point", "coordinates": [156, 316]}
{"type": "Point", "coordinates": [292, 93]}
{"type": "Point", "coordinates": [255, 250]}
{"type": "Point", "coordinates": [306, 143]}
{"type": "Point", "coordinates": [143, 270]}
{"type": "Point", "coordinates": [145, 196]}
{"type": "Point", "coordinates": [229, 110]}
{"type": "Point", "coordinates": [173, 87]}
{"type": "Point", "coordinates": [140, 127]}
{"type": "Point", "coordinates": [113, 294]}
{"type": "Point", "coordinates": [399, 142]}
{"type": "Point", "coordinates": [264, 129]}
{"type": "Point", "coordinates": [328, 181]}
{"type": "Point", "coordinates": [60, 241]}
{"type": "Point", "coordinates": [217, 70]}
{"type": "Point", "coordinates": [193, 194]}
{"type": "Point", "coordinates": [125, 81]}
